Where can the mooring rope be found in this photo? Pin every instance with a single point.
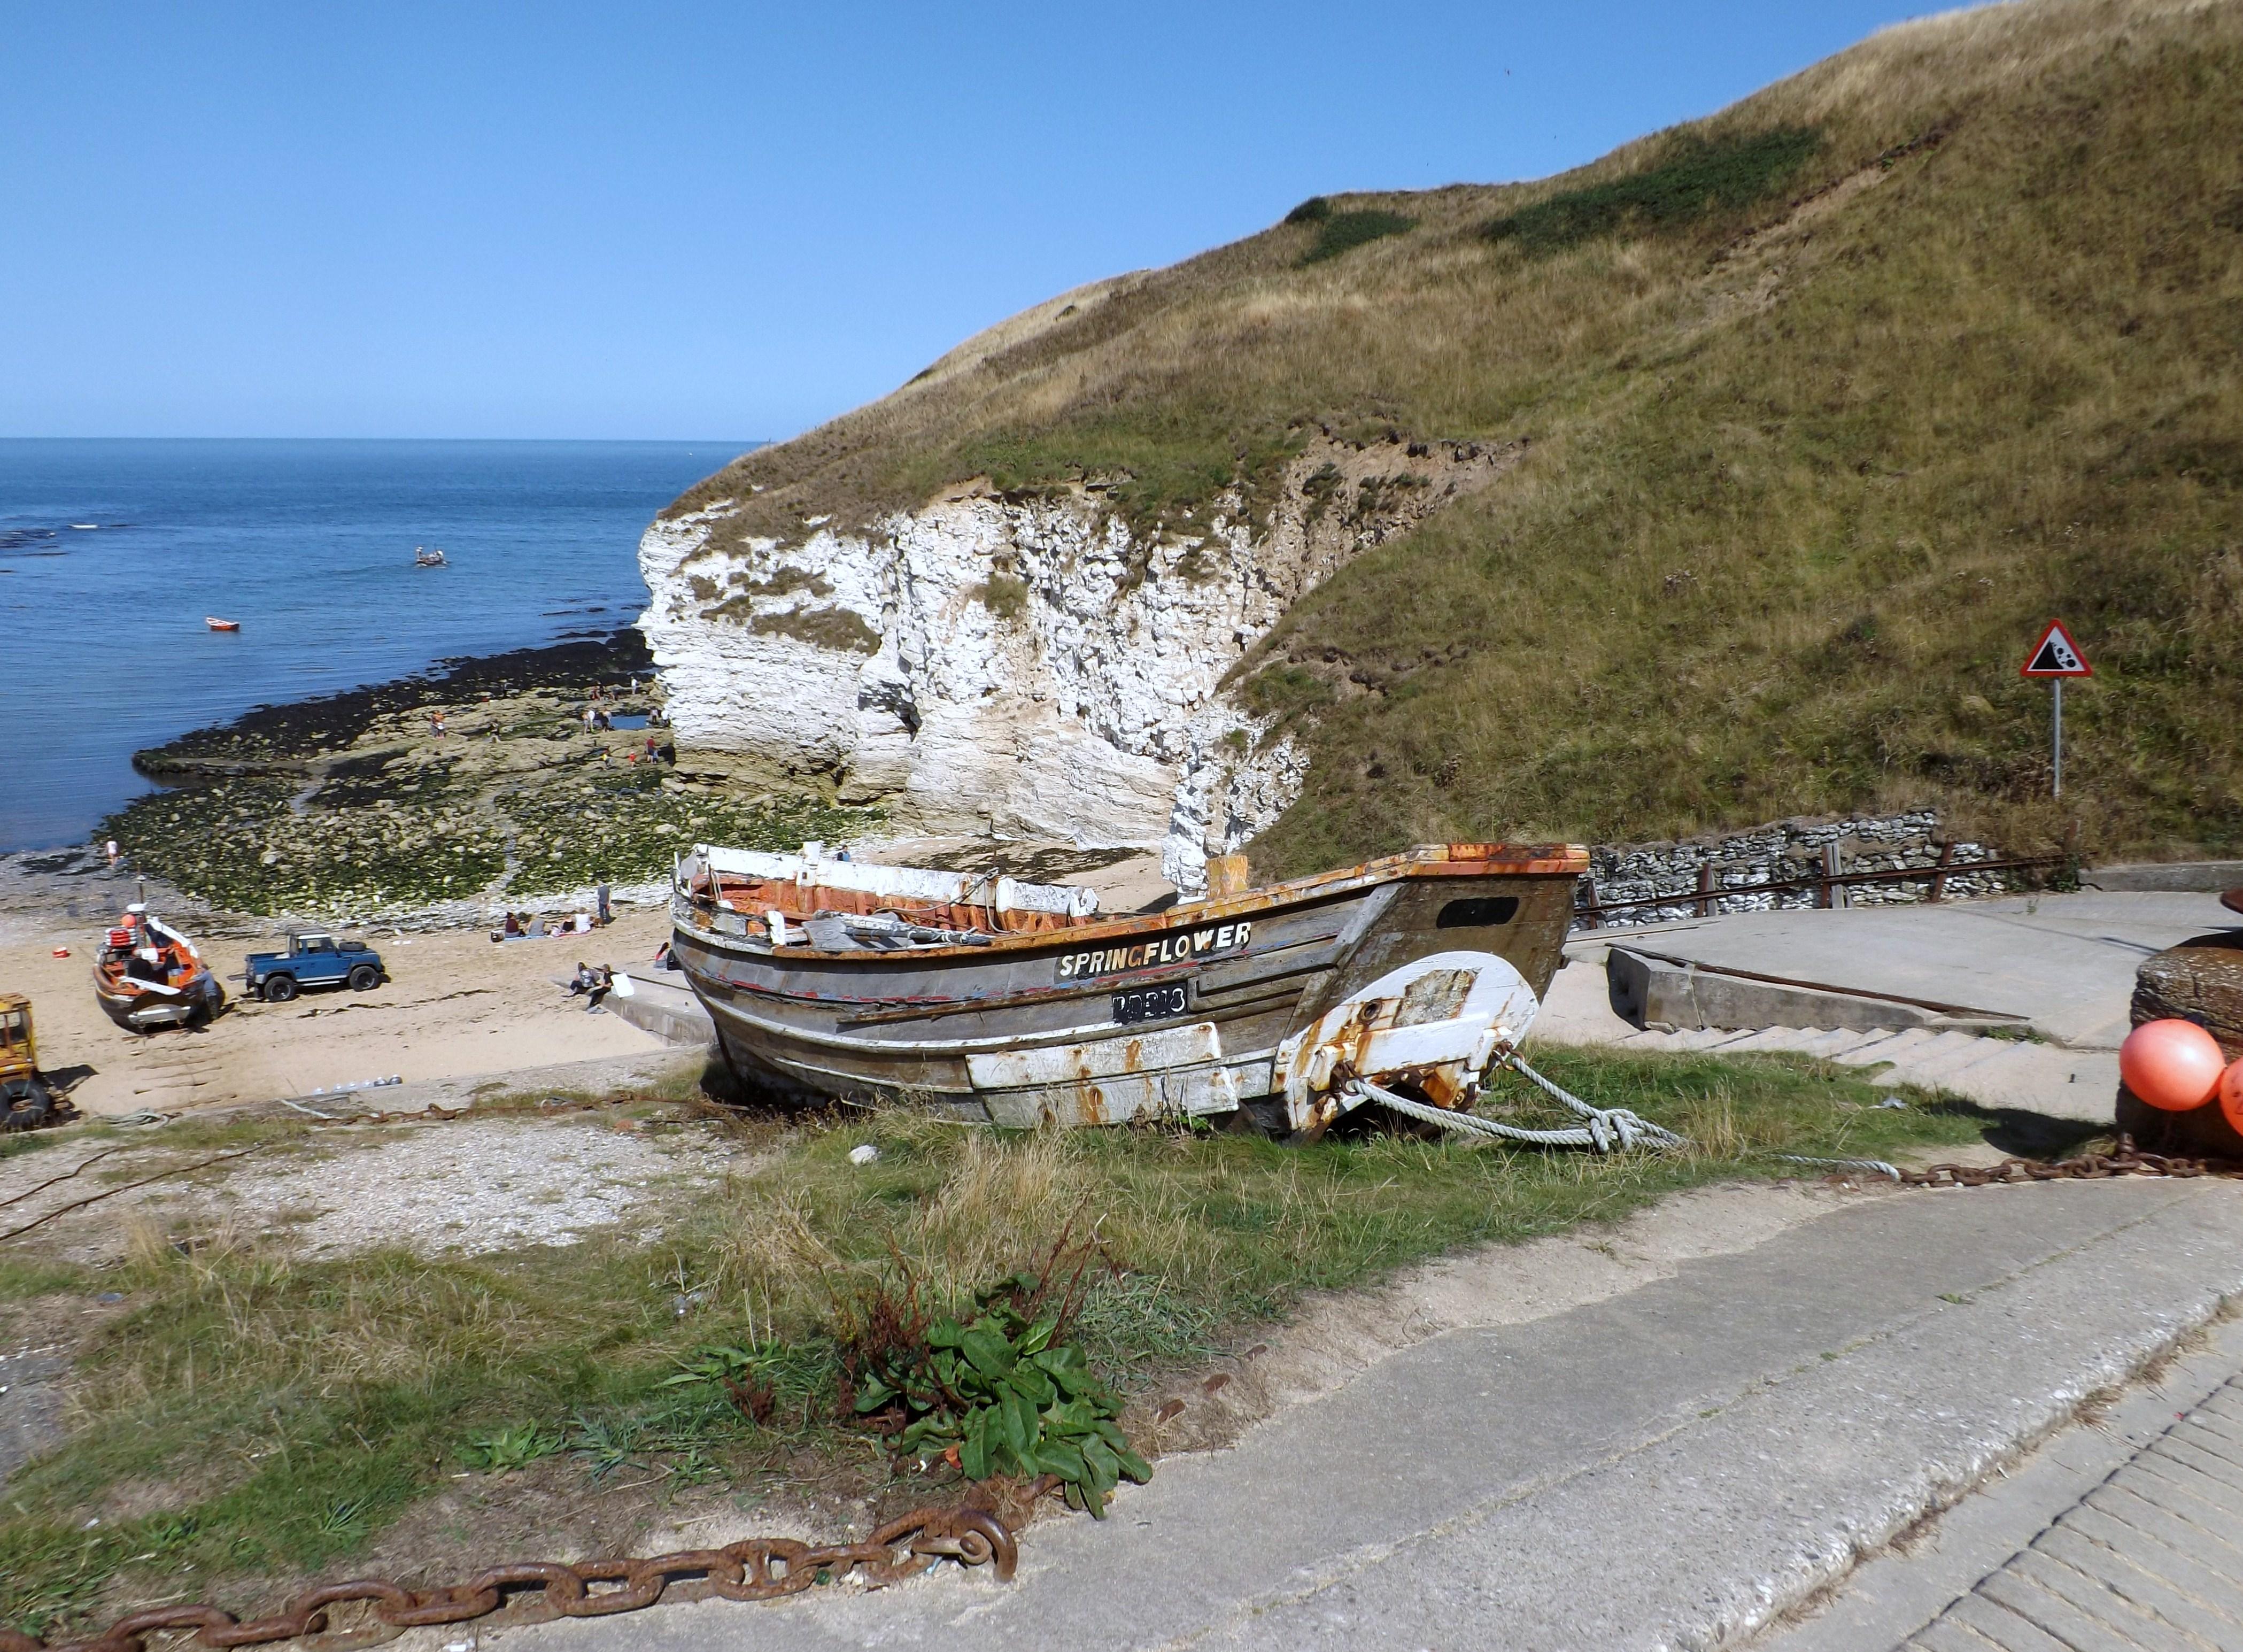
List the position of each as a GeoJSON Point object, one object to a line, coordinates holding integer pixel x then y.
{"type": "Point", "coordinates": [1604, 1128]}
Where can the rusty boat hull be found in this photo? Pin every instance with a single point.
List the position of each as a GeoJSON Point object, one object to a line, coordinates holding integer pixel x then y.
{"type": "Point", "coordinates": [1079, 1018]}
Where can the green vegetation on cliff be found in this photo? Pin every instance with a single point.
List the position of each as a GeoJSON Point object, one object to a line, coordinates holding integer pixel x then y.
{"type": "Point", "coordinates": [1833, 400]}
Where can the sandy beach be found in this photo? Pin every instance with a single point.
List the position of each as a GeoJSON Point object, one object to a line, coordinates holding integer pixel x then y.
{"type": "Point", "coordinates": [456, 1006]}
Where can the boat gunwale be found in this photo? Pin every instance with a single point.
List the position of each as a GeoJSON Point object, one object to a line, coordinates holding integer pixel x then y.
{"type": "Point", "coordinates": [1550, 861]}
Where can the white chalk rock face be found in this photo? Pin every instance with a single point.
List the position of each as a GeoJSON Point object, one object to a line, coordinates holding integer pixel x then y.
{"type": "Point", "coordinates": [1032, 665]}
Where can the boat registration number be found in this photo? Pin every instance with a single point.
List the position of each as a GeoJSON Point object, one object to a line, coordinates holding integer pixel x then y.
{"type": "Point", "coordinates": [1151, 1003]}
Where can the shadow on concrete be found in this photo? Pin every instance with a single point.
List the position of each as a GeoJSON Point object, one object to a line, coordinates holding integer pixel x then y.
{"type": "Point", "coordinates": [2024, 1134]}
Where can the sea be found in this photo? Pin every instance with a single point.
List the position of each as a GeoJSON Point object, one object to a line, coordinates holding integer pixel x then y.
{"type": "Point", "coordinates": [113, 553]}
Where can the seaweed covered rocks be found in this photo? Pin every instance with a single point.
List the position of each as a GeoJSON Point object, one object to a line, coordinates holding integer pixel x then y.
{"type": "Point", "coordinates": [529, 774]}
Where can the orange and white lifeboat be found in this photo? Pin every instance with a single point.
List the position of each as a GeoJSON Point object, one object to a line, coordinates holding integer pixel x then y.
{"type": "Point", "coordinates": [147, 975]}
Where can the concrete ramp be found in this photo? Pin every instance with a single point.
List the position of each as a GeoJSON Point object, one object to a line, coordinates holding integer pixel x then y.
{"type": "Point", "coordinates": [666, 1007]}
{"type": "Point", "coordinates": [2061, 964]}
{"type": "Point", "coordinates": [1652, 990]}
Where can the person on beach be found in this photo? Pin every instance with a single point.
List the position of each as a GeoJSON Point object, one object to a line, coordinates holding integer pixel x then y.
{"type": "Point", "coordinates": [111, 849]}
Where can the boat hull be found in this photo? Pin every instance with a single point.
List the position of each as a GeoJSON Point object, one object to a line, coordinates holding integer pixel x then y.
{"type": "Point", "coordinates": [152, 1006]}
{"type": "Point", "coordinates": [1181, 1013]}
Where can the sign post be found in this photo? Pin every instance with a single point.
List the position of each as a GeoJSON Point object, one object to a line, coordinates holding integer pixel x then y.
{"type": "Point", "coordinates": [2056, 657]}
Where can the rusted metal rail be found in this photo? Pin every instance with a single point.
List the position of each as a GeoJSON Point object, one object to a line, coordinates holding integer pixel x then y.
{"type": "Point", "coordinates": [757, 1569]}
{"type": "Point", "coordinates": [1707, 894]}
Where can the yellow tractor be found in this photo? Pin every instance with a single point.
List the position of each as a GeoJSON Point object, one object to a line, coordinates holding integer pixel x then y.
{"type": "Point", "coordinates": [25, 1100]}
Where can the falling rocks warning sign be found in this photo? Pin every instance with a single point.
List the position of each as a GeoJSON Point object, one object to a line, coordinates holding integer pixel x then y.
{"type": "Point", "coordinates": [2056, 655]}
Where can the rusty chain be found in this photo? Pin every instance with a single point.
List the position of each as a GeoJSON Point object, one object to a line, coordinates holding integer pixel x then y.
{"type": "Point", "coordinates": [755, 1568]}
{"type": "Point", "coordinates": [2124, 1159]}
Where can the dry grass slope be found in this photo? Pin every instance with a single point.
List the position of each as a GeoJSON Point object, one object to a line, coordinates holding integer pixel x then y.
{"type": "Point", "coordinates": [1833, 398]}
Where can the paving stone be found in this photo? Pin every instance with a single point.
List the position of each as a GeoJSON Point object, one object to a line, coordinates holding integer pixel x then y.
{"type": "Point", "coordinates": [2210, 1441]}
{"type": "Point", "coordinates": [2206, 1499]}
{"type": "Point", "coordinates": [2093, 1598]}
{"type": "Point", "coordinates": [2003, 1627]}
{"type": "Point", "coordinates": [2227, 1403]}
{"type": "Point", "coordinates": [2199, 1617]}
{"type": "Point", "coordinates": [1948, 1635]}
{"type": "Point", "coordinates": [2151, 1558]}
{"type": "Point", "coordinates": [2151, 1555]}
{"type": "Point", "coordinates": [2045, 1609]}
{"type": "Point", "coordinates": [2177, 1532]}
{"type": "Point", "coordinates": [2212, 1422]}
{"type": "Point", "coordinates": [2206, 1463]}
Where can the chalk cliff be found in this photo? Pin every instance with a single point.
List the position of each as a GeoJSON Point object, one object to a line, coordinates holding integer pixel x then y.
{"type": "Point", "coordinates": [1032, 663]}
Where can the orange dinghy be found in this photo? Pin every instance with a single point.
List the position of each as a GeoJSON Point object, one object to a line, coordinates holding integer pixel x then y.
{"type": "Point", "coordinates": [148, 975]}
{"type": "Point", "coordinates": [221, 624]}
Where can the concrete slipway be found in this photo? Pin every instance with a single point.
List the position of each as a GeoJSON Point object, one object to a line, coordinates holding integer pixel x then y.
{"type": "Point", "coordinates": [1706, 1454]}
{"type": "Point", "coordinates": [1676, 1465]}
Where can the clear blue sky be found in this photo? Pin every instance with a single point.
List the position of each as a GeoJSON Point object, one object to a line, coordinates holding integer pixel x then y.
{"type": "Point", "coordinates": [704, 221]}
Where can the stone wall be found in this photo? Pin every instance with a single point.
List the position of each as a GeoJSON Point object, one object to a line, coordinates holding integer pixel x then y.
{"type": "Point", "coordinates": [1743, 864]}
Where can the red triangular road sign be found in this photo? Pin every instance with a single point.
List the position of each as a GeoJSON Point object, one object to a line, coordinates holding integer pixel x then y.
{"type": "Point", "coordinates": [2056, 655]}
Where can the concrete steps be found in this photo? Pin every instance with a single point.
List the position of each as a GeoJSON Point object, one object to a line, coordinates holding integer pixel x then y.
{"type": "Point", "coordinates": [1993, 1072]}
{"type": "Point", "coordinates": [666, 1007]}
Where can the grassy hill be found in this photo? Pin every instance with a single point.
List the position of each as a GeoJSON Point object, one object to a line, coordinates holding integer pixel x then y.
{"type": "Point", "coordinates": [1833, 398]}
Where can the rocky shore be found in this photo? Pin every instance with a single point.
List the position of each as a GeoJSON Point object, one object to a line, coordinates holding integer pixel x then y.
{"type": "Point", "coordinates": [437, 799]}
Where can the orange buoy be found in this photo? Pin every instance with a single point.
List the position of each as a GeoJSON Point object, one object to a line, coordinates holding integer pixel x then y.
{"type": "Point", "coordinates": [2230, 1093]}
{"type": "Point", "coordinates": [2174, 1065]}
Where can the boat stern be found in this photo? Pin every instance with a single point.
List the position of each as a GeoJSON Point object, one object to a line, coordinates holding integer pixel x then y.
{"type": "Point", "coordinates": [1428, 1029]}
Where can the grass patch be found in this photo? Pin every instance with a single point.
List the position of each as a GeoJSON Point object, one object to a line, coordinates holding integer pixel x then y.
{"type": "Point", "coordinates": [1338, 232]}
{"type": "Point", "coordinates": [1700, 176]}
{"type": "Point", "coordinates": [1004, 595]}
{"type": "Point", "coordinates": [273, 1414]}
{"type": "Point", "coordinates": [841, 629]}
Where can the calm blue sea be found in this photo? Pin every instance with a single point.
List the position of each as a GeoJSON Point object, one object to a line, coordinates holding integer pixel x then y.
{"type": "Point", "coordinates": [111, 553]}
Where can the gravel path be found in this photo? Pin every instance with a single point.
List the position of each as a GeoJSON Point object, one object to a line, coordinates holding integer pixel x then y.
{"type": "Point", "coordinates": [467, 1188]}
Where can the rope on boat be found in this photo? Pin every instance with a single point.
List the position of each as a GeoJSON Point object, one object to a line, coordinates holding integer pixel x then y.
{"type": "Point", "coordinates": [1604, 1128]}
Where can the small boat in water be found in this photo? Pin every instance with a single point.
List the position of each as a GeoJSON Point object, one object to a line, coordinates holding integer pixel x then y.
{"type": "Point", "coordinates": [430, 558]}
{"type": "Point", "coordinates": [1017, 1003]}
{"type": "Point", "coordinates": [218, 625]}
{"type": "Point", "coordinates": [147, 975]}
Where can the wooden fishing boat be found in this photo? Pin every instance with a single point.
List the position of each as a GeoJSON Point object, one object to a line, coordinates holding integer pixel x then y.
{"type": "Point", "coordinates": [217, 624]}
{"type": "Point", "coordinates": [147, 975]}
{"type": "Point", "coordinates": [1017, 1002]}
